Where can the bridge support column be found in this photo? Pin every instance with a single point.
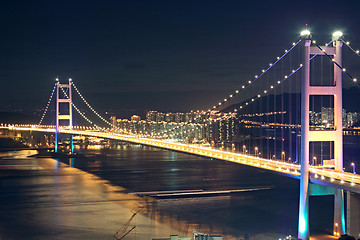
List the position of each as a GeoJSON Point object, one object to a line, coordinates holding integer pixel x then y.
{"type": "Point", "coordinates": [65, 117]}
{"type": "Point", "coordinates": [353, 214]}
{"type": "Point", "coordinates": [56, 141]}
{"type": "Point", "coordinates": [339, 213]}
{"type": "Point", "coordinates": [333, 135]}
{"type": "Point", "coordinates": [57, 116]}
{"type": "Point", "coordinates": [303, 227]}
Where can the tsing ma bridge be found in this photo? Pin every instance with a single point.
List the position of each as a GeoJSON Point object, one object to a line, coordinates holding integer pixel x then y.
{"type": "Point", "coordinates": [314, 180]}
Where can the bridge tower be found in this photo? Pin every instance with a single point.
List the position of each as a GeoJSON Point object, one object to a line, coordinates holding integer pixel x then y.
{"type": "Point", "coordinates": [63, 120]}
{"type": "Point", "coordinates": [307, 136]}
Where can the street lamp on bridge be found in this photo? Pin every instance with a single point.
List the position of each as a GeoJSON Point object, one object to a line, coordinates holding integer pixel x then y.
{"type": "Point", "coordinates": [314, 162]}
{"type": "Point", "coordinates": [353, 165]}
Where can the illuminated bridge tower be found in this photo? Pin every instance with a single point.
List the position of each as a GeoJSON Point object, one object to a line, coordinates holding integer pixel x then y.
{"type": "Point", "coordinates": [63, 111]}
{"type": "Point", "coordinates": [307, 136]}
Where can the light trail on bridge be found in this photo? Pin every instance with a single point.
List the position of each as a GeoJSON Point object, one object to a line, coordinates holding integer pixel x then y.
{"type": "Point", "coordinates": [322, 176]}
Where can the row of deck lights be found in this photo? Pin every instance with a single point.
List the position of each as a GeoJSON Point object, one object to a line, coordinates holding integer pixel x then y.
{"type": "Point", "coordinates": [256, 149]}
{"type": "Point", "coordinates": [283, 167]}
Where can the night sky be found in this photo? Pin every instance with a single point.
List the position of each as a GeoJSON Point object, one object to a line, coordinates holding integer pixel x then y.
{"type": "Point", "coordinates": [141, 55]}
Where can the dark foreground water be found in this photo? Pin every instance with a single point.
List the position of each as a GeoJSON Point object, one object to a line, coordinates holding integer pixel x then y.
{"type": "Point", "coordinates": [93, 196]}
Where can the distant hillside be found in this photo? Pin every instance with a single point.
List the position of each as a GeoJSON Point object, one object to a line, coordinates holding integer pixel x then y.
{"type": "Point", "coordinates": [351, 99]}
{"type": "Point", "coordinates": [19, 118]}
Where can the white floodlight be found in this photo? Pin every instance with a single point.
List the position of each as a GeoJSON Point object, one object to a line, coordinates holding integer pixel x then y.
{"type": "Point", "coordinates": [337, 34]}
{"type": "Point", "coordinates": [305, 33]}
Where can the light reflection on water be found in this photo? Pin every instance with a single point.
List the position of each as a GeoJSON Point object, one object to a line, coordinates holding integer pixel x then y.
{"type": "Point", "coordinates": [91, 200]}
{"type": "Point", "coordinates": [140, 169]}
{"type": "Point", "coordinates": [59, 202]}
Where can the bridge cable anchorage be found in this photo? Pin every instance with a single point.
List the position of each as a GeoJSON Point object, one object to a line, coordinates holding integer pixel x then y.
{"type": "Point", "coordinates": [92, 109]}
{"type": "Point", "coordinates": [256, 77]}
{"type": "Point", "coordinates": [357, 52]}
{"type": "Point", "coordinates": [81, 114]}
{"type": "Point", "coordinates": [47, 106]}
{"type": "Point", "coordinates": [338, 65]}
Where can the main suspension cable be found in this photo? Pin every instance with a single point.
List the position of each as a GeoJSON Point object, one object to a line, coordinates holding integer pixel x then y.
{"type": "Point", "coordinates": [47, 106]}
{"type": "Point", "coordinates": [271, 65]}
{"type": "Point", "coordinates": [81, 114]}
{"type": "Point", "coordinates": [338, 65]}
{"type": "Point", "coordinates": [357, 52]}
{"type": "Point", "coordinates": [91, 108]}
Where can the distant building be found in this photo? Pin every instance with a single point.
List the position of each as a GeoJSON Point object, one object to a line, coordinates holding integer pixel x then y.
{"type": "Point", "coordinates": [351, 119]}
{"type": "Point", "coordinates": [189, 117]}
{"type": "Point", "coordinates": [169, 117]}
{"type": "Point", "coordinates": [327, 116]}
{"type": "Point", "coordinates": [113, 120]}
{"type": "Point", "coordinates": [179, 117]}
{"type": "Point", "coordinates": [135, 118]}
{"type": "Point", "coordinates": [151, 116]}
{"type": "Point", "coordinates": [315, 118]}
{"type": "Point", "coordinates": [195, 126]}
{"type": "Point", "coordinates": [160, 117]}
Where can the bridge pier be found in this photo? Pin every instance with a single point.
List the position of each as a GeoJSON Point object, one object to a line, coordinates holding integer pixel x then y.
{"type": "Point", "coordinates": [303, 226]}
{"type": "Point", "coordinates": [339, 213]}
{"type": "Point", "coordinates": [353, 214]}
{"type": "Point", "coordinates": [333, 135]}
{"type": "Point", "coordinates": [63, 117]}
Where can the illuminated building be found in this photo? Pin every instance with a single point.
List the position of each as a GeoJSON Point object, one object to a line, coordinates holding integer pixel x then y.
{"type": "Point", "coordinates": [135, 118]}
{"type": "Point", "coordinates": [169, 117]}
{"type": "Point", "coordinates": [151, 116]}
{"type": "Point", "coordinates": [179, 117]}
{"type": "Point", "coordinates": [327, 116]}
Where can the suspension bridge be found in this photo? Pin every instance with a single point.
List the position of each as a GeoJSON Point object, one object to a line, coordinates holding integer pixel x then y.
{"type": "Point", "coordinates": [276, 124]}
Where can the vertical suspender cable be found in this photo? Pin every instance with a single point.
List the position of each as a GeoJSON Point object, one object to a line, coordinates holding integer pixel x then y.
{"type": "Point", "coordinates": [282, 110]}
{"type": "Point", "coordinates": [312, 99]}
{"type": "Point", "coordinates": [290, 107]}
{"type": "Point", "coordinates": [274, 117]}
{"type": "Point", "coordinates": [267, 120]}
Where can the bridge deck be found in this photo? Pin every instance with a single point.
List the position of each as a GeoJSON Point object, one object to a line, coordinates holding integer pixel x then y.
{"type": "Point", "coordinates": [327, 177]}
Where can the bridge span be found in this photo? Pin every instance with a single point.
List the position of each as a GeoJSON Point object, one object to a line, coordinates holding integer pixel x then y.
{"type": "Point", "coordinates": [321, 176]}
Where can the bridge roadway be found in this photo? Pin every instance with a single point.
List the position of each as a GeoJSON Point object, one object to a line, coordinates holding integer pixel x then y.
{"type": "Point", "coordinates": [321, 176]}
